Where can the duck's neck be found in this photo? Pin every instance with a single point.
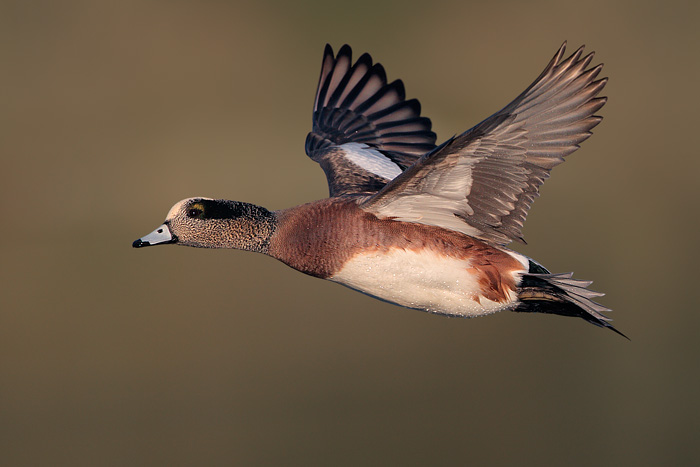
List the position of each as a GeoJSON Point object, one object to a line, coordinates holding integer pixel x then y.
{"type": "Point", "coordinates": [263, 227]}
{"type": "Point", "coordinates": [253, 230]}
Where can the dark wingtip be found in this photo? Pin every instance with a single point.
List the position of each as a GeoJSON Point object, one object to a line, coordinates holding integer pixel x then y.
{"type": "Point", "coordinates": [328, 50]}
{"type": "Point", "coordinates": [345, 49]}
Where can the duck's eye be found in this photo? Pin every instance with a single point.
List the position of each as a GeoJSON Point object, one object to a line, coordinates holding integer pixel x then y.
{"type": "Point", "coordinates": [194, 212]}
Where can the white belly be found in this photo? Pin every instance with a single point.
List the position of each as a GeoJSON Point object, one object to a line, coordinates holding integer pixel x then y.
{"type": "Point", "coordinates": [422, 280]}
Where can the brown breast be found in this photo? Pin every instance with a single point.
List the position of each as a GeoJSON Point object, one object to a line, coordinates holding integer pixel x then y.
{"type": "Point", "coordinates": [318, 238]}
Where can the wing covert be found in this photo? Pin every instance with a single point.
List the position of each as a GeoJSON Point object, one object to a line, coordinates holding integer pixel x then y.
{"type": "Point", "coordinates": [483, 181]}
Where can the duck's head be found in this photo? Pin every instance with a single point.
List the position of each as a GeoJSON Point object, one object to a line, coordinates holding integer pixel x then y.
{"type": "Point", "coordinates": [214, 223]}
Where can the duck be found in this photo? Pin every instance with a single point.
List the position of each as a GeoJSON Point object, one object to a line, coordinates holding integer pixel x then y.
{"type": "Point", "coordinates": [410, 222]}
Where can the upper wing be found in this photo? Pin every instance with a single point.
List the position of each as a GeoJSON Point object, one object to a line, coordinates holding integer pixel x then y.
{"type": "Point", "coordinates": [483, 181]}
{"type": "Point", "coordinates": [364, 131]}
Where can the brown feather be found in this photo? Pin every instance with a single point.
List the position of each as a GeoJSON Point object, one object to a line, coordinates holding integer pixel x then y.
{"type": "Point", "coordinates": [320, 237]}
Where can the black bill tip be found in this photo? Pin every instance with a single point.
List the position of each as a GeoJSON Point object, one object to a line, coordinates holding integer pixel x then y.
{"type": "Point", "coordinates": [140, 243]}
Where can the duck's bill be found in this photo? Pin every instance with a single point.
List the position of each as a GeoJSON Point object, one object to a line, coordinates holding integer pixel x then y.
{"type": "Point", "coordinates": [162, 235]}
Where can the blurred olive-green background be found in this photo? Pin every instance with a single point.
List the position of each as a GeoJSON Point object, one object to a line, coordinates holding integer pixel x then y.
{"type": "Point", "coordinates": [113, 111]}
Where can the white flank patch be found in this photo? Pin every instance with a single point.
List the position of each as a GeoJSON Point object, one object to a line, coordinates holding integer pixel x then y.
{"type": "Point", "coordinates": [524, 260]}
{"type": "Point", "coordinates": [371, 160]}
{"type": "Point", "coordinates": [422, 280]}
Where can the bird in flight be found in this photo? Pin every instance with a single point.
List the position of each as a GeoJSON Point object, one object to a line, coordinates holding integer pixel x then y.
{"type": "Point", "coordinates": [420, 225]}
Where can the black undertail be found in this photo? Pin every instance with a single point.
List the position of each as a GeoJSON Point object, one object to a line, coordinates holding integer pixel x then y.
{"type": "Point", "coordinates": [559, 294]}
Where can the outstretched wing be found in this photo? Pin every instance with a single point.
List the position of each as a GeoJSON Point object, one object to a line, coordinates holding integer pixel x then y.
{"type": "Point", "coordinates": [365, 132]}
{"type": "Point", "coordinates": [483, 181]}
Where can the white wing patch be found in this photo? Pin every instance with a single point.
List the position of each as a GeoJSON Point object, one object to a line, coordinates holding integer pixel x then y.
{"type": "Point", "coordinates": [371, 160]}
{"type": "Point", "coordinates": [430, 195]}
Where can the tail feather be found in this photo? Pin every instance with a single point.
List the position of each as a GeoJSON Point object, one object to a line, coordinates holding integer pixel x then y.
{"type": "Point", "coordinates": [543, 292]}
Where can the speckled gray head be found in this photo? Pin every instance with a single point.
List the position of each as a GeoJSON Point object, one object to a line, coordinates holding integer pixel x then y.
{"type": "Point", "coordinates": [214, 223]}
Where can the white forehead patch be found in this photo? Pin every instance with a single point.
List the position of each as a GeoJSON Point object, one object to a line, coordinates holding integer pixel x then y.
{"type": "Point", "coordinates": [371, 160]}
{"type": "Point", "coordinates": [178, 206]}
